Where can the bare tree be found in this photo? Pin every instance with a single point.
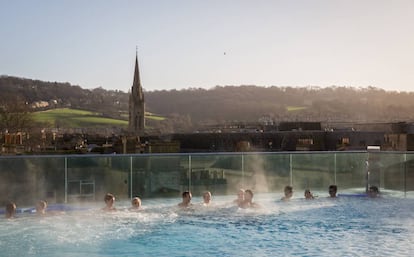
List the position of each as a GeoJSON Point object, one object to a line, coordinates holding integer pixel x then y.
{"type": "Point", "coordinates": [15, 116]}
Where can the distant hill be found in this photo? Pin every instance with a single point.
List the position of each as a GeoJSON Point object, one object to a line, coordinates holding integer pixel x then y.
{"type": "Point", "coordinates": [187, 109]}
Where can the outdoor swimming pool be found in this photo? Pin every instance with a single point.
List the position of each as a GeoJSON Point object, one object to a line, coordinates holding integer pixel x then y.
{"type": "Point", "coordinates": [346, 226]}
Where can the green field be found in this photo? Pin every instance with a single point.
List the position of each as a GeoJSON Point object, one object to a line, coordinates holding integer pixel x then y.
{"type": "Point", "coordinates": [72, 118]}
{"type": "Point", "coordinates": [65, 117]}
{"type": "Point", "coordinates": [295, 108]}
{"type": "Point", "coordinates": [148, 116]}
{"type": "Point", "coordinates": [153, 116]}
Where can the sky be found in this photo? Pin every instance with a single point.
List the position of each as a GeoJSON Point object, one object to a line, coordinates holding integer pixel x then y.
{"type": "Point", "coordinates": [206, 43]}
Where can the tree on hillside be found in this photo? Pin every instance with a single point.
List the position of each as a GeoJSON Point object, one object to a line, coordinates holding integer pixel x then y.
{"type": "Point", "coordinates": [15, 116]}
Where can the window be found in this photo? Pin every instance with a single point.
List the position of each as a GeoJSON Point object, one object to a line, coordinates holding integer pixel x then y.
{"type": "Point", "coordinates": [305, 141]}
{"type": "Point", "coordinates": [345, 141]}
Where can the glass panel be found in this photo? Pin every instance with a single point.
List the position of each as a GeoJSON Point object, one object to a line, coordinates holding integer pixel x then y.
{"type": "Point", "coordinates": [159, 175]}
{"type": "Point", "coordinates": [27, 179]}
{"type": "Point", "coordinates": [351, 168]}
{"type": "Point", "coordinates": [91, 177]}
{"type": "Point", "coordinates": [312, 171]}
{"type": "Point", "coordinates": [392, 169]}
{"type": "Point", "coordinates": [409, 174]}
{"type": "Point", "coordinates": [267, 172]}
{"type": "Point", "coordinates": [316, 171]}
{"type": "Point", "coordinates": [217, 173]}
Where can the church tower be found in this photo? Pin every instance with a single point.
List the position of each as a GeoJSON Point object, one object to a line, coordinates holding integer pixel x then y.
{"type": "Point", "coordinates": [136, 105]}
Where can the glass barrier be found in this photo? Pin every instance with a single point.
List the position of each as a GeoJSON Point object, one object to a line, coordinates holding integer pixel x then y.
{"type": "Point", "coordinates": [74, 178]}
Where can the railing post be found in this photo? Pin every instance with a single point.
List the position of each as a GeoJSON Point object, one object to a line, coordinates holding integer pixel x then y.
{"type": "Point", "coordinates": [291, 168]}
{"type": "Point", "coordinates": [130, 180]}
{"type": "Point", "coordinates": [405, 175]}
{"type": "Point", "coordinates": [242, 167]}
{"type": "Point", "coordinates": [66, 179]}
{"type": "Point", "coordinates": [367, 173]}
{"type": "Point", "coordinates": [335, 169]}
{"type": "Point", "coordinates": [189, 173]}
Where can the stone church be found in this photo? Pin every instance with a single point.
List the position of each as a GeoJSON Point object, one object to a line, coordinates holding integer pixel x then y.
{"type": "Point", "coordinates": [136, 125]}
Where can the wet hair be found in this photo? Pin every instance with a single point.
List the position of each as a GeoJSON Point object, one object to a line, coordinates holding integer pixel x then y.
{"type": "Point", "coordinates": [108, 197]}
{"type": "Point", "coordinates": [206, 193]}
{"type": "Point", "coordinates": [250, 192]}
{"type": "Point", "coordinates": [333, 187]}
{"type": "Point", "coordinates": [288, 189]}
{"type": "Point", "coordinates": [186, 193]}
{"type": "Point", "coordinates": [373, 189]}
{"type": "Point", "coordinates": [136, 199]}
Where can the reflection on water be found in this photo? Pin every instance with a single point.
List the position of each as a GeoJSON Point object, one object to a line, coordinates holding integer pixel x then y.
{"type": "Point", "coordinates": [349, 226]}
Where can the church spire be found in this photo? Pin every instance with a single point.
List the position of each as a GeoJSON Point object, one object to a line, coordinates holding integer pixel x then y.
{"type": "Point", "coordinates": [136, 104]}
{"type": "Point", "coordinates": [136, 86]}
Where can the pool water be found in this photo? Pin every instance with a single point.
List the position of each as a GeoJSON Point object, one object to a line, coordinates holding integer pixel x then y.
{"type": "Point", "coordinates": [346, 226]}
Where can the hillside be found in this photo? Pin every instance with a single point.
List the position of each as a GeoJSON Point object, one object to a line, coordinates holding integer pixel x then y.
{"type": "Point", "coordinates": [65, 117]}
{"type": "Point", "coordinates": [190, 108]}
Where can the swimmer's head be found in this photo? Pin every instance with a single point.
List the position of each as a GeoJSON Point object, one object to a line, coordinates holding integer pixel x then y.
{"type": "Point", "coordinates": [288, 191]}
{"type": "Point", "coordinates": [41, 207]}
{"type": "Point", "coordinates": [308, 194]}
{"type": "Point", "coordinates": [332, 190]}
{"type": "Point", "coordinates": [373, 191]}
{"type": "Point", "coordinates": [248, 195]}
{"type": "Point", "coordinates": [109, 197]}
{"type": "Point", "coordinates": [187, 196]}
{"type": "Point", "coordinates": [207, 197]}
{"type": "Point", "coordinates": [240, 194]}
{"type": "Point", "coordinates": [136, 202]}
{"type": "Point", "coordinates": [10, 209]}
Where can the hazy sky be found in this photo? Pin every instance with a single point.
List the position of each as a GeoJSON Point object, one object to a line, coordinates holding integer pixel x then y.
{"type": "Point", "coordinates": [183, 44]}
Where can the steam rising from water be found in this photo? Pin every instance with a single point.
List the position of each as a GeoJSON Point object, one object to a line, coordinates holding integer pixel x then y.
{"type": "Point", "coordinates": [259, 182]}
{"type": "Point", "coordinates": [252, 176]}
{"type": "Point", "coordinates": [358, 226]}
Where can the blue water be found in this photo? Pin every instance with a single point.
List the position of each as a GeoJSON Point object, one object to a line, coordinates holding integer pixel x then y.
{"type": "Point", "coordinates": [348, 226]}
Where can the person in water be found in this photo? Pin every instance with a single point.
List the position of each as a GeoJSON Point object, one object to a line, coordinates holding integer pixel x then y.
{"type": "Point", "coordinates": [373, 192]}
{"type": "Point", "coordinates": [206, 198]}
{"type": "Point", "coordinates": [308, 195]}
{"type": "Point", "coordinates": [41, 207]}
{"type": "Point", "coordinates": [288, 193]}
{"type": "Point", "coordinates": [332, 191]}
{"type": "Point", "coordinates": [135, 204]}
{"type": "Point", "coordinates": [109, 202]}
{"type": "Point", "coordinates": [248, 200]}
{"type": "Point", "coordinates": [10, 210]}
{"type": "Point", "coordinates": [186, 202]}
{"type": "Point", "coordinates": [240, 197]}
